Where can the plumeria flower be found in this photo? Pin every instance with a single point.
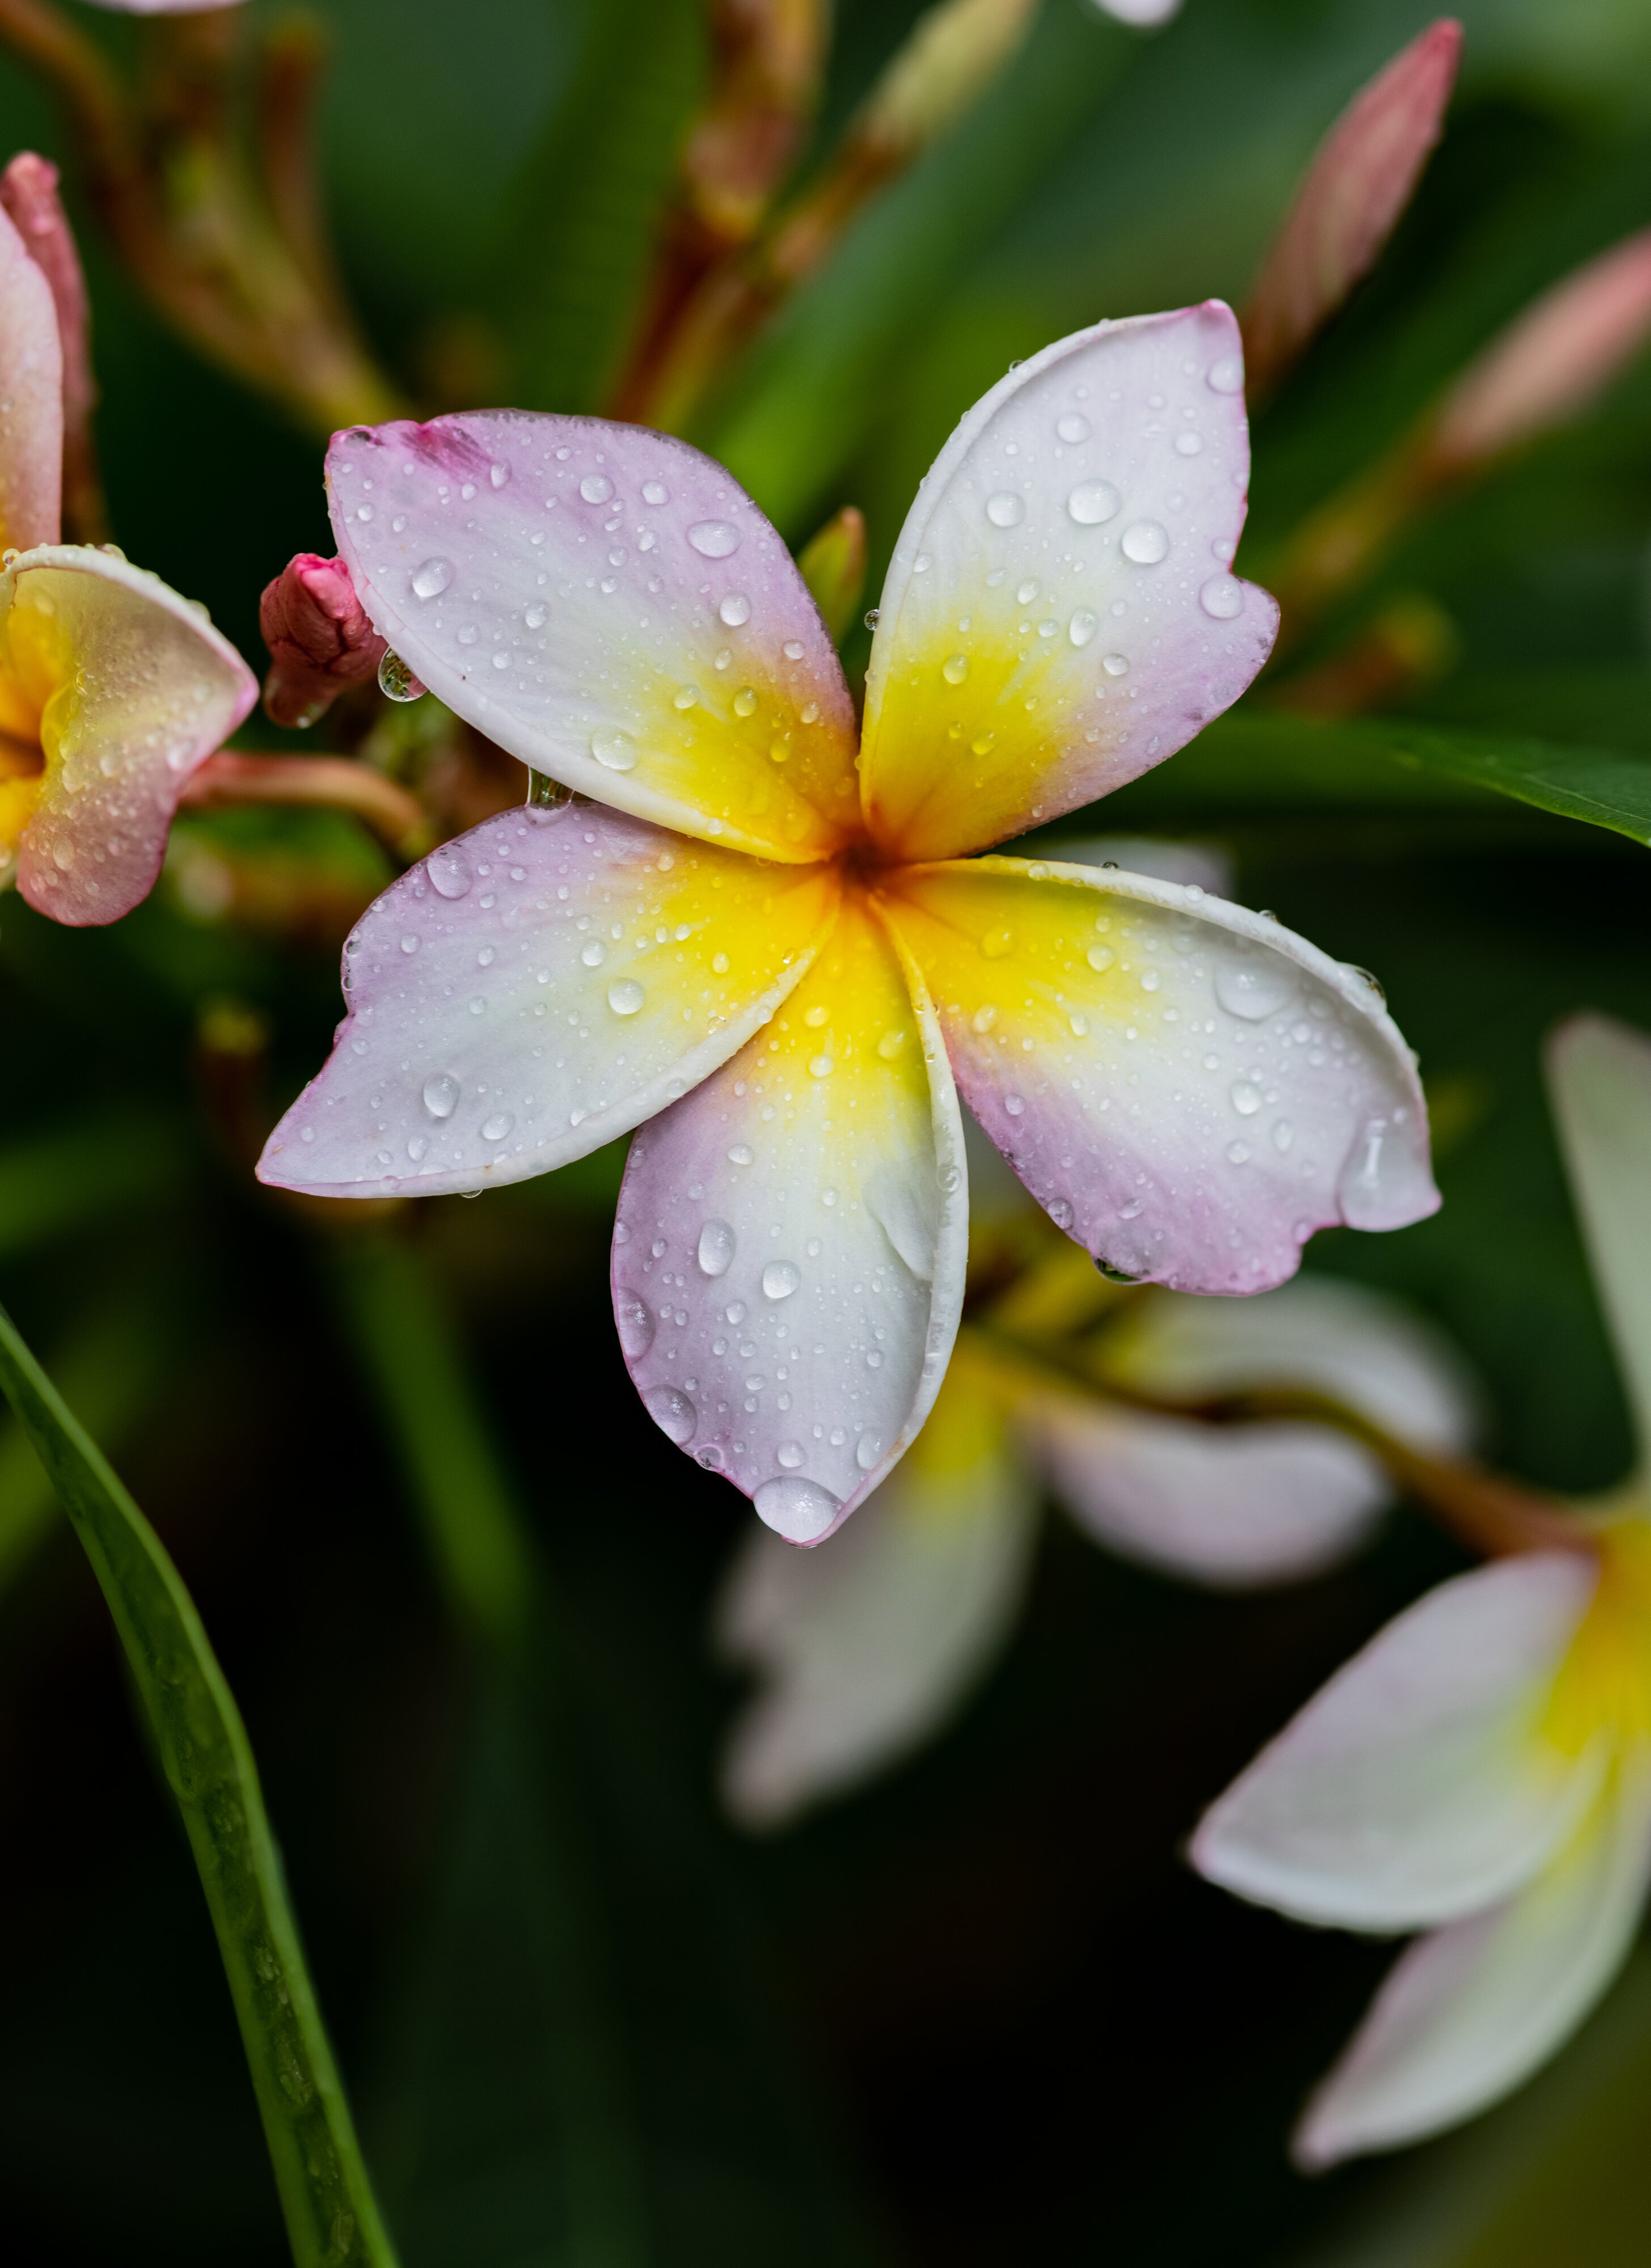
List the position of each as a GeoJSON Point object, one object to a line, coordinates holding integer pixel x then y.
{"type": "Point", "coordinates": [113, 689]}
{"type": "Point", "coordinates": [1482, 1771]}
{"type": "Point", "coordinates": [863, 1651]}
{"type": "Point", "coordinates": [771, 942]}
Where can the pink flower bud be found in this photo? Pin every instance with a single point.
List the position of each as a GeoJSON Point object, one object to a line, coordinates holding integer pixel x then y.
{"type": "Point", "coordinates": [28, 193]}
{"type": "Point", "coordinates": [1359, 184]}
{"type": "Point", "coordinates": [319, 638]}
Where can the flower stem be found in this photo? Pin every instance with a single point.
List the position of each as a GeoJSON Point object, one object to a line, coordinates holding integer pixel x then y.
{"type": "Point", "coordinates": [329, 782]}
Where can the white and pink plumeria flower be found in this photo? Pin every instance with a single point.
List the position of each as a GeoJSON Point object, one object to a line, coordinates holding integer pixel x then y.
{"type": "Point", "coordinates": [114, 690]}
{"type": "Point", "coordinates": [862, 1653]}
{"type": "Point", "coordinates": [1482, 1771]}
{"type": "Point", "coordinates": [765, 932]}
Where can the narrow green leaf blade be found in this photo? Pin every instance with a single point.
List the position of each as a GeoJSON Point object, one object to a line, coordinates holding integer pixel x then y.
{"type": "Point", "coordinates": [332, 2217]}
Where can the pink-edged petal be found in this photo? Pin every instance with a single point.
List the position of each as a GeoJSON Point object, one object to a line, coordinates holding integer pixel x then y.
{"type": "Point", "coordinates": [160, 7]}
{"type": "Point", "coordinates": [789, 1256]}
{"type": "Point", "coordinates": [132, 689]}
{"type": "Point", "coordinates": [864, 1649]}
{"type": "Point", "coordinates": [536, 988]}
{"type": "Point", "coordinates": [1316, 1333]}
{"type": "Point", "coordinates": [1060, 613]}
{"type": "Point", "coordinates": [1470, 2012]}
{"type": "Point", "coordinates": [1599, 1078]}
{"type": "Point", "coordinates": [1360, 181]}
{"type": "Point", "coordinates": [1187, 1087]}
{"type": "Point", "coordinates": [1230, 1507]}
{"type": "Point", "coordinates": [609, 606]}
{"type": "Point", "coordinates": [1419, 1785]}
{"type": "Point", "coordinates": [31, 399]}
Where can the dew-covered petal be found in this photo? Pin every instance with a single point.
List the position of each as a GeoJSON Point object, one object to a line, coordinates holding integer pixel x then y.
{"type": "Point", "coordinates": [1471, 2011]}
{"type": "Point", "coordinates": [1599, 1078]}
{"type": "Point", "coordinates": [788, 1259]}
{"type": "Point", "coordinates": [1316, 1335]}
{"type": "Point", "coordinates": [864, 1650]}
{"type": "Point", "coordinates": [1230, 1506]}
{"type": "Point", "coordinates": [31, 399]}
{"type": "Point", "coordinates": [609, 606]}
{"type": "Point", "coordinates": [1187, 1088]}
{"type": "Point", "coordinates": [1060, 613]}
{"type": "Point", "coordinates": [1419, 1785]}
{"type": "Point", "coordinates": [128, 689]}
{"type": "Point", "coordinates": [533, 990]}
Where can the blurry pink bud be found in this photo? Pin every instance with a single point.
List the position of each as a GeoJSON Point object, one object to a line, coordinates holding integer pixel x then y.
{"type": "Point", "coordinates": [28, 191]}
{"type": "Point", "coordinates": [1548, 363]}
{"type": "Point", "coordinates": [1359, 184]}
{"type": "Point", "coordinates": [319, 638]}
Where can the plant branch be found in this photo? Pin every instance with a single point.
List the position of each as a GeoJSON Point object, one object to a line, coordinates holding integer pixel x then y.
{"type": "Point", "coordinates": [327, 782]}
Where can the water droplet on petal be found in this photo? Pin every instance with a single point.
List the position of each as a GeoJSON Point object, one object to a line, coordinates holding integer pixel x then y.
{"type": "Point", "coordinates": [800, 1511]}
{"type": "Point", "coordinates": [637, 1324]}
{"type": "Point", "coordinates": [1189, 445]}
{"type": "Point", "coordinates": [396, 680]}
{"type": "Point", "coordinates": [954, 669]}
{"type": "Point", "coordinates": [655, 493]}
{"type": "Point", "coordinates": [715, 1252]}
{"type": "Point", "coordinates": [742, 1154]}
{"type": "Point", "coordinates": [745, 702]}
{"type": "Point", "coordinates": [1254, 985]}
{"type": "Point", "coordinates": [714, 539]}
{"type": "Point", "coordinates": [1115, 664]}
{"type": "Point", "coordinates": [780, 1280]}
{"type": "Point", "coordinates": [1005, 509]}
{"type": "Point", "coordinates": [1014, 1104]}
{"type": "Point", "coordinates": [596, 487]}
{"type": "Point", "coordinates": [1226, 376]}
{"type": "Point", "coordinates": [1222, 597]}
{"type": "Point", "coordinates": [449, 871]}
{"type": "Point", "coordinates": [1100, 956]}
{"type": "Point", "coordinates": [432, 578]}
{"type": "Point", "coordinates": [1093, 502]}
{"type": "Point", "coordinates": [868, 1451]}
{"type": "Point", "coordinates": [1246, 1097]}
{"type": "Point", "coordinates": [626, 997]}
{"type": "Point", "coordinates": [594, 952]}
{"type": "Point", "coordinates": [790, 1454]}
{"type": "Point", "coordinates": [441, 1095]}
{"type": "Point", "coordinates": [1283, 1135]}
{"type": "Point", "coordinates": [735, 609]}
{"type": "Point", "coordinates": [1072, 428]}
{"type": "Point", "coordinates": [672, 1412]}
{"type": "Point", "coordinates": [615, 749]}
{"type": "Point", "coordinates": [1145, 543]}
{"type": "Point", "coordinates": [496, 1128]}
{"type": "Point", "coordinates": [1083, 626]}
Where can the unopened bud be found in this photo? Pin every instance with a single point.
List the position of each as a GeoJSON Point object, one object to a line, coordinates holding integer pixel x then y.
{"type": "Point", "coordinates": [319, 638]}
{"type": "Point", "coordinates": [28, 193]}
{"type": "Point", "coordinates": [952, 56]}
{"type": "Point", "coordinates": [832, 563]}
{"type": "Point", "coordinates": [1549, 363]}
{"type": "Point", "coordinates": [1358, 185]}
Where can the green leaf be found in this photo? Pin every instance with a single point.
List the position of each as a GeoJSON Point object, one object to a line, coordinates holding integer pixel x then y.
{"type": "Point", "coordinates": [53, 1184]}
{"type": "Point", "coordinates": [590, 201]}
{"type": "Point", "coordinates": [332, 2217]}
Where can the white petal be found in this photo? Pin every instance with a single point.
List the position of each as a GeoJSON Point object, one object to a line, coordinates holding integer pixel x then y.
{"type": "Point", "coordinates": [1417, 1786]}
{"type": "Point", "coordinates": [1599, 1076]}
{"type": "Point", "coordinates": [789, 1255]}
{"type": "Point", "coordinates": [533, 990]}
{"type": "Point", "coordinates": [1229, 1507]}
{"type": "Point", "coordinates": [867, 1648]}
{"type": "Point", "coordinates": [1316, 1333]}
{"type": "Point", "coordinates": [1472, 2010]}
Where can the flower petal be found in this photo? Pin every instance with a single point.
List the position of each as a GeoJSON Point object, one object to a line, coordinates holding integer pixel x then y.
{"type": "Point", "coordinates": [536, 988]}
{"type": "Point", "coordinates": [1187, 1088]}
{"type": "Point", "coordinates": [132, 689]}
{"type": "Point", "coordinates": [1418, 1787]}
{"type": "Point", "coordinates": [1060, 613]}
{"type": "Point", "coordinates": [1229, 1507]}
{"type": "Point", "coordinates": [864, 1650]}
{"type": "Point", "coordinates": [1368, 1350]}
{"type": "Point", "coordinates": [31, 399]}
{"type": "Point", "coordinates": [1599, 1078]}
{"type": "Point", "coordinates": [1472, 2010]}
{"type": "Point", "coordinates": [609, 606]}
{"type": "Point", "coordinates": [788, 1260]}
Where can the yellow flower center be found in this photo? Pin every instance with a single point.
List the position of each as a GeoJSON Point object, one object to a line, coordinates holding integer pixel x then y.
{"type": "Point", "coordinates": [1605, 1679]}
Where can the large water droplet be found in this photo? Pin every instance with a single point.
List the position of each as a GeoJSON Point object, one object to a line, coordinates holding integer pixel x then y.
{"type": "Point", "coordinates": [714, 539]}
{"type": "Point", "coordinates": [1145, 543]}
{"type": "Point", "coordinates": [615, 749]}
{"type": "Point", "coordinates": [1254, 985]}
{"type": "Point", "coordinates": [780, 1280]}
{"type": "Point", "coordinates": [1072, 428]}
{"type": "Point", "coordinates": [1115, 664]}
{"type": "Point", "coordinates": [432, 578]}
{"type": "Point", "coordinates": [396, 680]}
{"type": "Point", "coordinates": [735, 609]}
{"type": "Point", "coordinates": [868, 1451]}
{"type": "Point", "coordinates": [626, 997]}
{"type": "Point", "coordinates": [800, 1511]}
{"type": "Point", "coordinates": [449, 871]}
{"type": "Point", "coordinates": [716, 1248]}
{"type": "Point", "coordinates": [672, 1412]}
{"type": "Point", "coordinates": [1091, 502]}
{"type": "Point", "coordinates": [1222, 597]}
{"type": "Point", "coordinates": [954, 668]}
{"type": "Point", "coordinates": [1083, 626]}
{"type": "Point", "coordinates": [655, 493]}
{"type": "Point", "coordinates": [1226, 376]}
{"type": "Point", "coordinates": [441, 1095]}
{"type": "Point", "coordinates": [594, 952]}
{"type": "Point", "coordinates": [637, 1324]}
{"type": "Point", "coordinates": [496, 1128]}
{"type": "Point", "coordinates": [1005, 509]}
{"type": "Point", "coordinates": [1246, 1097]}
{"type": "Point", "coordinates": [1100, 956]}
{"type": "Point", "coordinates": [596, 487]}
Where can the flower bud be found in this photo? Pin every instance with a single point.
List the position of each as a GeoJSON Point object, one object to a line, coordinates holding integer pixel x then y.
{"type": "Point", "coordinates": [319, 638]}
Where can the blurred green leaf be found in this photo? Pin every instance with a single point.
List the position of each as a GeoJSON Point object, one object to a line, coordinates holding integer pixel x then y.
{"type": "Point", "coordinates": [331, 2215]}
{"type": "Point", "coordinates": [54, 1184]}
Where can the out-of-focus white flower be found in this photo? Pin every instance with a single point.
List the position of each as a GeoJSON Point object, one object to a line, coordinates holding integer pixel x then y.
{"type": "Point", "coordinates": [864, 1649]}
{"type": "Point", "coordinates": [1482, 1770]}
